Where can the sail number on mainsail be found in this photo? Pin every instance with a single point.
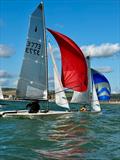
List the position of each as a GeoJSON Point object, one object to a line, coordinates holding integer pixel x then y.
{"type": "Point", "coordinates": [33, 48]}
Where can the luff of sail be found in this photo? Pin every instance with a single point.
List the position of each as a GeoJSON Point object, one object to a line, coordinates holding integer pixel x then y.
{"type": "Point", "coordinates": [102, 86]}
{"type": "Point", "coordinates": [83, 97]}
{"type": "Point", "coordinates": [60, 97]}
{"type": "Point", "coordinates": [33, 82]}
{"type": "Point", "coordinates": [74, 67]}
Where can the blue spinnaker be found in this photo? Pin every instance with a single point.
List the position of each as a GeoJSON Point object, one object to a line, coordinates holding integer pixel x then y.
{"type": "Point", "coordinates": [102, 85]}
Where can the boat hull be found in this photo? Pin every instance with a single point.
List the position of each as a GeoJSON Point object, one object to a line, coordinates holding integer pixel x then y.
{"type": "Point", "coordinates": [26, 114]}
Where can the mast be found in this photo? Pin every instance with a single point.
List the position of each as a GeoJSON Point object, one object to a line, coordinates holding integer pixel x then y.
{"type": "Point", "coordinates": [89, 78]}
{"type": "Point", "coordinates": [45, 44]}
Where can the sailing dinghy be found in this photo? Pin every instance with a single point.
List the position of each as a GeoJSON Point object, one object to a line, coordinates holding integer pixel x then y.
{"type": "Point", "coordinates": [33, 81]}
{"type": "Point", "coordinates": [101, 90]}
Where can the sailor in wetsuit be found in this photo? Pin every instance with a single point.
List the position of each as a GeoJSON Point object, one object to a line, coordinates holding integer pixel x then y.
{"type": "Point", "coordinates": [34, 107]}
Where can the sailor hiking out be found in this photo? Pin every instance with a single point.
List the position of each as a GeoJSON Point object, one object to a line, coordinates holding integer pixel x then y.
{"type": "Point", "coordinates": [34, 107]}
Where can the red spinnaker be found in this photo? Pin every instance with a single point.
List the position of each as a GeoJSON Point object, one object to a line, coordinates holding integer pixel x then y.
{"type": "Point", "coordinates": [74, 66]}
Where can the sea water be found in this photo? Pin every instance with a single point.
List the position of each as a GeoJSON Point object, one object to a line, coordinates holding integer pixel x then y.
{"type": "Point", "coordinates": [79, 136]}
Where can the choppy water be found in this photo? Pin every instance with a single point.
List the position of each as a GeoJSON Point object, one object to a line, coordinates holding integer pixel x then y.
{"type": "Point", "coordinates": [81, 136]}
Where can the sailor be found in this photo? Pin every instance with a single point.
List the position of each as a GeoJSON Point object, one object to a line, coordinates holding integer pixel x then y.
{"type": "Point", "coordinates": [83, 109]}
{"type": "Point", "coordinates": [34, 107]}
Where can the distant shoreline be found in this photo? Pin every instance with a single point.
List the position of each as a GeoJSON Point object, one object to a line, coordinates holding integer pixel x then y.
{"type": "Point", "coordinates": [10, 94]}
{"type": "Point", "coordinates": [110, 102]}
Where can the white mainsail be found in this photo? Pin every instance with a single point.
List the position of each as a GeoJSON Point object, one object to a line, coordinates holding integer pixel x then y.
{"type": "Point", "coordinates": [1, 94]}
{"type": "Point", "coordinates": [95, 104]}
{"type": "Point", "coordinates": [33, 82]}
{"type": "Point", "coordinates": [83, 97]}
{"type": "Point", "coordinates": [60, 97]}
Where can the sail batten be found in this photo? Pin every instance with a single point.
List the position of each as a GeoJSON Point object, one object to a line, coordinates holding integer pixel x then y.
{"type": "Point", "coordinates": [33, 81]}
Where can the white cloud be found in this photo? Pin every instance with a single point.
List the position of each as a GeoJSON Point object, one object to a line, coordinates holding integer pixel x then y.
{"type": "Point", "coordinates": [4, 74]}
{"type": "Point", "coordinates": [104, 69]}
{"type": "Point", "coordinates": [103, 50]}
{"type": "Point", "coordinates": [6, 51]}
{"type": "Point", "coordinates": [116, 91]}
{"type": "Point", "coordinates": [4, 82]}
{"type": "Point", "coordinates": [56, 51]}
{"type": "Point", "coordinates": [14, 83]}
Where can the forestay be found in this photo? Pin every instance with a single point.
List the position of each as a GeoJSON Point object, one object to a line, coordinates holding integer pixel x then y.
{"type": "Point", "coordinates": [33, 81]}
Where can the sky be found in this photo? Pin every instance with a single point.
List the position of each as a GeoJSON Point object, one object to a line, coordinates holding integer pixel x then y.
{"type": "Point", "coordinates": [94, 25]}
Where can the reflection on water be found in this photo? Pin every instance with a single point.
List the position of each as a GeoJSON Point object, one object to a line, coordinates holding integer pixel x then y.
{"type": "Point", "coordinates": [78, 136]}
{"type": "Point", "coordinates": [68, 136]}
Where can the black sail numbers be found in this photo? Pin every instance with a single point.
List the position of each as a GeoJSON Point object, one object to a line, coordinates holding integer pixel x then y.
{"type": "Point", "coordinates": [33, 48]}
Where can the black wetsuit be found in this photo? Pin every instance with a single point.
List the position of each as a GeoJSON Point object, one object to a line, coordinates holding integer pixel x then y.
{"type": "Point", "coordinates": [34, 107]}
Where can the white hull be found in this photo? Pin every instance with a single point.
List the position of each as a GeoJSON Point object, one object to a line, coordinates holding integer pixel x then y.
{"type": "Point", "coordinates": [26, 114]}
